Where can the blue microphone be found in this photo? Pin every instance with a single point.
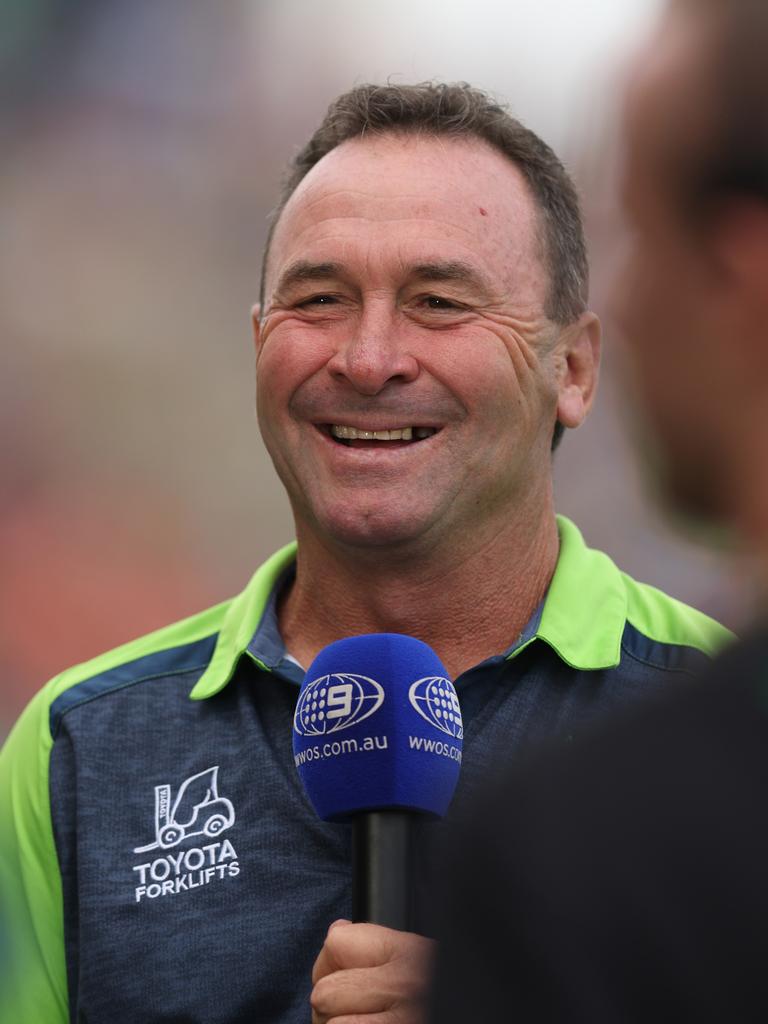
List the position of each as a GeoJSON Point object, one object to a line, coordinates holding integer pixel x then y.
{"type": "Point", "coordinates": [377, 739]}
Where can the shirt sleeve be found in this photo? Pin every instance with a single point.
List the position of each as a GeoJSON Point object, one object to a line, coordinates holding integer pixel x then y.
{"type": "Point", "coordinates": [33, 984]}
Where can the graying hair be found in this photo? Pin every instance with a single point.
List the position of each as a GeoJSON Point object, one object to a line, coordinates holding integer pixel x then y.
{"type": "Point", "coordinates": [458, 110]}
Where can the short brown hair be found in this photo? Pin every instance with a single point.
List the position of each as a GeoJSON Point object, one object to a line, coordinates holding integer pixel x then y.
{"type": "Point", "coordinates": [459, 110]}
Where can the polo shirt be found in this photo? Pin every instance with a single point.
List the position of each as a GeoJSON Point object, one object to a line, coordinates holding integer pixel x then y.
{"type": "Point", "coordinates": [160, 860]}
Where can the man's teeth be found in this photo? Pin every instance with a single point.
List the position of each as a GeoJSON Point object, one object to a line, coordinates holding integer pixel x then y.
{"type": "Point", "coordinates": [402, 434]}
{"type": "Point", "coordinates": [353, 434]}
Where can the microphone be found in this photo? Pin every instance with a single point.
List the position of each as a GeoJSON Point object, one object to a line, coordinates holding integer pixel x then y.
{"type": "Point", "coordinates": [377, 740]}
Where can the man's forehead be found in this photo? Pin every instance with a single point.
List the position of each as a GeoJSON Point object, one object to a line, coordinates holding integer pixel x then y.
{"type": "Point", "coordinates": [461, 190]}
{"type": "Point", "coordinates": [456, 161]}
{"type": "Point", "coordinates": [383, 175]}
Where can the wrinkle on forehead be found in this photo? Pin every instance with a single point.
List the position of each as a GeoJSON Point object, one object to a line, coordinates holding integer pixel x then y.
{"type": "Point", "coordinates": [417, 188]}
{"type": "Point", "coordinates": [470, 176]}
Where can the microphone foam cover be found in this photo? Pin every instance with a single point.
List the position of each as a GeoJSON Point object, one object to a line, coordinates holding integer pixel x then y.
{"type": "Point", "coordinates": [377, 726]}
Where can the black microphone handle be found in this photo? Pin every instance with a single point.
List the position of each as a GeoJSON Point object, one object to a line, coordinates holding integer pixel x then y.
{"type": "Point", "coordinates": [383, 868]}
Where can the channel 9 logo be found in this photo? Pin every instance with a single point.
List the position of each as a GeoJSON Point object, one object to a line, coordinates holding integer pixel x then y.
{"type": "Point", "coordinates": [435, 700]}
{"type": "Point", "coordinates": [335, 702]}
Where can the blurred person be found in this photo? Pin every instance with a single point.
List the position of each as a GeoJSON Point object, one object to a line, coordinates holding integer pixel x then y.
{"type": "Point", "coordinates": [422, 342]}
{"type": "Point", "coordinates": [624, 879]}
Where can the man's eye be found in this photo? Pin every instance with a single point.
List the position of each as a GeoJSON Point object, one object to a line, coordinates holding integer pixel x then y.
{"type": "Point", "coordinates": [437, 302]}
{"type": "Point", "coordinates": [318, 300]}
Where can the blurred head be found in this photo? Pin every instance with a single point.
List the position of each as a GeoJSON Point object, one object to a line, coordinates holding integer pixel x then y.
{"type": "Point", "coordinates": [692, 302]}
{"type": "Point", "coordinates": [423, 327]}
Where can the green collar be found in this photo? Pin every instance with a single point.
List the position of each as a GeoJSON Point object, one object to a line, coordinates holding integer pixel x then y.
{"type": "Point", "coordinates": [585, 609]}
{"type": "Point", "coordinates": [240, 622]}
{"type": "Point", "coordinates": [582, 620]}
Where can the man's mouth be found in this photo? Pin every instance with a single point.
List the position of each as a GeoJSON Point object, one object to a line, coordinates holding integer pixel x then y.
{"type": "Point", "coordinates": [353, 436]}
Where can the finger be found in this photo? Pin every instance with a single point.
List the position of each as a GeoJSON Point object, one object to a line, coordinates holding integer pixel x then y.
{"type": "Point", "coordinates": [368, 1018]}
{"type": "Point", "coordinates": [358, 945]}
{"type": "Point", "coordinates": [372, 1018]}
{"type": "Point", "coordinates": [357, 991]}
{"type": "Point", "coordinates": [325, 962]}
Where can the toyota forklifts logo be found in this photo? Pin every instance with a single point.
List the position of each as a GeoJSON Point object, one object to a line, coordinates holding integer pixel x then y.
{"type": "Point", "coordinates": [337, 701]}
{"type": "Point", "coordinates": [198, 810]}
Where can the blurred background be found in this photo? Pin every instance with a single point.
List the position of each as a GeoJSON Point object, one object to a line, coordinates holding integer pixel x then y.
{"type": "Point", "coordinates": [141, 146]}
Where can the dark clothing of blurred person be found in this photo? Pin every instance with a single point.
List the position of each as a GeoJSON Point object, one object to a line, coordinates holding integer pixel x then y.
{"type": "Point", "coordinates": [625, 879]}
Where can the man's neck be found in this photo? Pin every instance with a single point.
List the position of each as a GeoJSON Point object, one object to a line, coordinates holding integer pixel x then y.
{"type": "Point", "coordinates": [466, 606]}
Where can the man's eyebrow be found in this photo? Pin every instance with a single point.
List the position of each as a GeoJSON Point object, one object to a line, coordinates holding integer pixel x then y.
{"type": "Point", "coordinates": [433, 270]}
{"type": "Point", "coordinates": [450, 270]}
{"type": "Point", "coordinates": [304, 270]}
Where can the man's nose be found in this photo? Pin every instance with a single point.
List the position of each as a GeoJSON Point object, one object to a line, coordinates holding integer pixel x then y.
{"type": "Point", "coordinates": [375, 353]}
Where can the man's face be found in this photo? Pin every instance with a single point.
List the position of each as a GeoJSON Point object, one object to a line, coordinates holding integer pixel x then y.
{"type": "Point", "coordinates": [672, 302]}
{"type": "Point", "coordinates": [405, 296]}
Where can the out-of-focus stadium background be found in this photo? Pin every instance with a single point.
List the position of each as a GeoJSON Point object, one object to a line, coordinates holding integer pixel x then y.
{"type": "Point", "coordinates": [141, 148]}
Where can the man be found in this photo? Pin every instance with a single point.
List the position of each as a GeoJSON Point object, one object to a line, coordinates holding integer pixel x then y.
{"type": "Point", "coordinates": [641, 894]}
{"type": "Point", "coordinates": [422, 339]}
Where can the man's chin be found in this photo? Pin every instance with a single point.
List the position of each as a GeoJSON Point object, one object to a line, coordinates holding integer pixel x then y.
{"type": "Point", "coordinates": [375, 531]}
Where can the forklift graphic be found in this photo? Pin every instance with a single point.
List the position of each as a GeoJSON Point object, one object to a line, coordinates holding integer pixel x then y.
{"type": "Point", "coordinates": [197, 810]}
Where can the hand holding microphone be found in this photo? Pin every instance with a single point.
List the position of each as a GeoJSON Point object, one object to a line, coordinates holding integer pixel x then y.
{"type": "Point", "coordinates": [377, 743]}
{"type": "Point", "coordinates": [366, 969]}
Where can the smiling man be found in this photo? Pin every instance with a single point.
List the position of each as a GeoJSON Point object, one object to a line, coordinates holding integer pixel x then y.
{"type": "Point", "coordinates": [409, 384]}
{"type": "Point", "coordinates": [422, 342]}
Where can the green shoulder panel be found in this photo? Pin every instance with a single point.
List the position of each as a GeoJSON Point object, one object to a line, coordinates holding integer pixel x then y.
{"type": "Point", "coordinates": [590, 600]}
{"type": "Point", "coordinates": [33, 985]}
{"type": "Point", "coordinates": [669, 621]}
{"type": "Point", "coordinates": [35, 989]}
{"type": "Point", "coordinates": [186, 631]}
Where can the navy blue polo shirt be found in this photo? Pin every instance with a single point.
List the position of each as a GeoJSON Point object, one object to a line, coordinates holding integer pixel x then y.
{"type": "Point", "coordinates": [160, 861]}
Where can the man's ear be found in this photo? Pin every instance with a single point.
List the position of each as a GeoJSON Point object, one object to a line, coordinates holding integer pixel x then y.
{"type": "Point", "coordinates": [256, 324]}
{"type": "Point", "coordinates": [579, 368]}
